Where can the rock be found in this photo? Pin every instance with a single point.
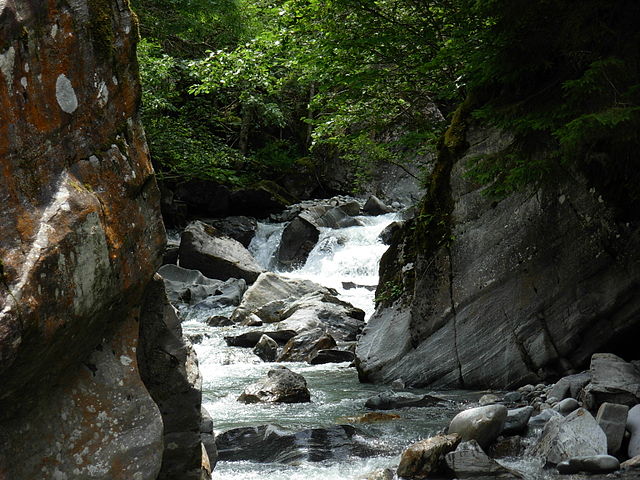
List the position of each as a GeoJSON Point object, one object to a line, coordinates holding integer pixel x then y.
{"type": "Point", "coordinates": [169, 368]}
{"type": "Point", "coordinates": [482, 424]}
{"type": "Point", "coordinates": [219, 321]}
{"type": "Point", "coordinates": [217, 256]}
{"type": "Point", "coordinates": [612, 380]}
{"type": "Point", "coordinates": [488, 399]}
{"type": "Point", "coordinates": [304, 346]}
{"type": "Point", "coordinates": [332, 356]}
{"type": "Point", "coordinates": [506, 447]}
{"type": "Point", "coordinates": [170, 255]}
{"type": "Point", "coordinates": [386, 474]}
{"type": "Point", "coordinates": [387, 234]}
{"type": "Point", "coordinates": [570, 386]}
{"type": "Point", "coordinates": [512, 397]}
{"type": "Point", "coordinates": [298, 239]}
{"type": "Point", "coordinates": [576, 435]}
{"type": "Point", "coordinates": [567, 406]}
{"type": "Point", "coordinates": [352, 285]}
{"type": "Point", "coordinates": [517, 421]}
{"type": "Point", "coordinates": [271, 444]}
{"type": "Point", "coordinates": [633, 425]}
{"type": "Point", "coordinates": [393, 401]}
{"type": "Point", "coordinates": [252, 321]}
{"type": "Point", "coordinates": [208, 438]}
{"type": "Point", "coordinates": [470, 461]}
{"type": "Point", "coordinates": [324, 216]}
{"type": "Point", "coordinates": [510, 324]}
{"type": "Point", "coordinates": [251, 339]}
{"type": "Point", "coordinates": [280, 386]}
{"type": "Point", "coordinates": [397, 384]}
{"type": "Point", "coordinates": [425, 458]}
{"type": "Point", "coordinates": [271, 294]}
{"type": "Point", "coordinates": [260, 200]}
{"type": "Point", "coordinates": [589, 464]}
{"type": "Point", "coordinates": [371, 417]}
{"type": "Point", "coordinates": [631, 464]}
{"type": "Point", "coordinates": [81, 236]}
{"type": "Point", "coordinates": [266, 349]}
{"type": "Point", "coordinates": [543, 417]}
{"type": "Point", "coordinates": [241, 229]}
{"type": "Point", "coordinates": [375, 206]}
{"type": "Point", "coordinates": [188, 286]}
{"type": "Point", "coordinates": [612, 419]}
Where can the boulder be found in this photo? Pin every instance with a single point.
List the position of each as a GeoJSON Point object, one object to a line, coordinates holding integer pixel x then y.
{"type": "Point", "coordinates": [576, 435]}
{"type": "Point", "coordinates": [280, 386]}
{"type": "Point", "coordinates": [567, 406]}
{"type": "Point", "coordinates": [394, 400]}
{"type": "Point", "coordinates": [375, 206]}
{"type": "Point", "coordinates": [385, 474]}
{"type": "Point", "coordinates": [81, 236]}
{"type": "Point", "coordinates": [169, 368]}
{"type": "Point", "coordinates": [633, 425]}
{"type": "Point", "coordinates": [204, 248]}
{"type": "Point", "coordinates": [266, 349]}
{"type": "Point", "coordinates": [570, 386]}
{"type": "Point", "coordinates": [470, 461]}
{"type": "Point", "coordinates": [252, 321]}
{"type": "Point", "coordinates": [298, 239]}
{"type": "Point", "coordinates": [229, 293]}
{"type": "Point", "coordinates": [270, 295]}
{"type": "Point", "coordinates": [631, 464]}
{"type": "Point", "coordinates": [512, 446]}
{"type": "Point", "coordinates": [250, 339]}
{"type": "Point", "coordinates": [272, 444]}
{"type": "Point", "coordinates": [589, 464]}
{"type": "Point", "coordinates": [612, 419]}
{"type": "Point", "coordinates": [241, 229]}
{"type": "Point", "coordinates": [612, 380]}
{"type": "Point", "coordinates": [543, 417]}
{"type": "Point", "coordinates": [208, 437]}
{"type": "Point", "coordinates": [304, 346]}
{"type": "Point", "coordinates": [184, 285]}
{"type": "Point", "coordinates": [517, 421]}
{"type": "Point", "coordinates": [482, 424]}
{"type": "Point", "coordinates": [329, 217]}
{"type": "Point", "coordinates": [387, 234]}
{"type": "Point", "coordinates": [426, 457]}
{"type": "Point", "coordinates": [332, 356]}
{"type": "Point", "coordinates": [219, 321]}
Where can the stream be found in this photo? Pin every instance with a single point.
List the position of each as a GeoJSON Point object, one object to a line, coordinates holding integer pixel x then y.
{"type": "Point", "coordinates": [343, 255]}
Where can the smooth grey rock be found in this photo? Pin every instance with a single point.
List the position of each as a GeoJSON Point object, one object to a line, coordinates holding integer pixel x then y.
{"type": "Point", "coordinates": [612, 419]}
{"type": "Point", "coordinates": [512, 397]}
{"type": "Point", "coordinates": [517, 420]}
{"type": "Point", "coordinates": [266, 349]}
{"type": "Point", "coordinates": [570, 386]}
{"type": "Point", "coordinates": [633, 425]}
{"type": "Point", "coordinates": [335, 217]}
{"type": "Point", "coordinates": [375, 206]}
{"type": "Point", "coordinates": [567, 406]}
{"type": "Point", "coordinates": [272, 444]}
{"type": "Point", "coordinates": [298, 239]}
{"type": "Point", "coordinates": [280, 386]}
{"type": "Point", "coordinates": [276, 291]}
{"type": "Point", "coordinates": [612, 380]}
{"type": "Point", "coordinates": [228, 293]}
{"type": "Point", "coordinates": [393, 400]}
{"type": "Point", "coordinates": [470, 461]}
{"type": "Point", "coordinates": [185, 285]}
{"type": "Point", "coordinates": [304, 346]}
{"type": "Point", "coordinates": [482, 424]}
{"type": "Point", "coordinates": [589, 464]}
{"type": "Point", "coordinates": [239, 228]}
{"type": "Point", "coordinates": [576, 435]}
{"type": "Point", "coordinates": [425, 458]}
{"type": "Point", "coordinates": [250, 339]}
{"type": "Point", "coordinates": [489, 399]}
{"type": "Point", "coordinates": [216, 255]}
{"type": "Point", "coordinates": [543, 417]}
{"type": "Point", "coordinates": [387, 233]}
{"type": "Point", "coordinates": [332, 356]}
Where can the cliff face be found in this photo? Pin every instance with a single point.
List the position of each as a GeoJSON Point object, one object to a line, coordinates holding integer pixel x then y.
{"type": "Point", "coordinates": [80, 238]}
{"type": "Point", "coordinates": [482, 293]}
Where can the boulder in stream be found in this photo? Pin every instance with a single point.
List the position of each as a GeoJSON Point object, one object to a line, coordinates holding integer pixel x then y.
{"type": "Point", "coordinates": [250, 339]}
{"type": "Point", "coordinates": [239, 228]}
{"type": "Point", "coordinates": [612, 380]}
{"type": "Point", "coordinates": [375, 206]}
{"type": "Point", "coordinates": [306, 345]}
{"type": "Point", "coordinates": [332, 356]}
{"type": "Point", "coordinates": [394, 400]}
{"type": "Point", "coordinates": [266, 349]}
{"type": "Point", "coordinates": [185, 285]}
{"type": "Point", "coordinates": [633, 425]}
{"type": "Point", "coordinates": [612, 419]}
{"type": "Point", "coordinates": [298, 239]}
{"type": "Point", "coordinates": [589, 464]}
{"type": "Point", "coordinates": [470, 461]}
{"type": "Point", "coordinates": [204, 248]}
{"type": "Point", "coordinates": [281, 385]}
{"type": "Point", "coordinates": [482, 424]}
{"type": "Point", "coordinates": [426, 457]}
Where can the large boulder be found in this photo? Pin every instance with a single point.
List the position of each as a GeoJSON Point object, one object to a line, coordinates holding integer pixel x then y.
{"type": "Point", "coordinates": [242, 229]}
{"type": "Point", "coordinates": [306, 345]}
{"type": "Point", "coordinates": [612, 380]}
{"type": "Point", "coordinates": [298, 239]}
{"type": "Point", "coordinates": [612, 419]}
{"type": "Point", "coordinates": [330, 217]}
{"type": "Point", "coordinates": [271, 444]}
{"type": "Point", "coordinates": [633, 425]}
{"type": "Point", "coordinates": [479, 292]}
{"type": "Point", "coordinates": [570, 386]}
{"type": "Point", "coordinates": [517, 420]}
{"type": "Point", "coordinates": [426, 457]}
{"type": "Point", "coordinates": [204, 248]}
{"type": "Point", "coordinates": [169, 369]}
{"type": "Point", "coordinates": [250, 339]}
{"type": "Point", "coordinates": [80, 238]}
{"type": "Point", "coordinates": [482, 424]}
{"type": "Point", "coordinates": [266, 349]}
{"type": "Point", "coordinates": [188, 286]}
{"type": "Point", "coordinates": [470, 461]}
{"type": "Point", "coordinates": [576, 435]}
{"type": "Point", "coordinates": [281, 385]}
{"type": "Point", "coordinates": [375, 206]}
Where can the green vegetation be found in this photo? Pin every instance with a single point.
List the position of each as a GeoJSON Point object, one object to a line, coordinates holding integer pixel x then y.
{"type": "Point", "coordinates": [241, 90]}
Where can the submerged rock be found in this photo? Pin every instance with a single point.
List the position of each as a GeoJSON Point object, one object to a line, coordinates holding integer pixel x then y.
{"type": "Point", "coordinates": [426, 457]}
{"type": "Point", "coordinates": [204, 248]}
{"type": "Point", "coordinates": [482, 424]}
{"type": "Point", "coordinates": [280, 386]}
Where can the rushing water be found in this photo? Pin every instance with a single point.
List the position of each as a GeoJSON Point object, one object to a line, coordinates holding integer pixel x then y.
{"type": "Point", "coordinates": [340, 256]}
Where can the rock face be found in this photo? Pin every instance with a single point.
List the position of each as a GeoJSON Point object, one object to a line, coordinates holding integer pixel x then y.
{"type": "Point", "coordinates": [169, 369]}
{"type": "Point", "coordinates": [203, 248]}
{"type": "Point", "coordinates": [80, 238]}
{"type": "Point", "coordinates": [483, 293]}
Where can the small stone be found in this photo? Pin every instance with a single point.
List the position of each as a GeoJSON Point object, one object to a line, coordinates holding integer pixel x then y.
{"type": "Point", "coordinates": [517, 420]}
{"type": "Point", "coordinates": [543, 417]}
{"type": "Point", "coordinates": [526, 389]}
{"type": "Point", "coordinates": [612, 419]}
{"type": "Point", "coordinates": [513, 397]}
{"type": "Point", "coordinates": [397, 384]}
{"type": "Point", "coordinates": [589, 464]}
{"type": "Point", "coordinates": [489, 399]}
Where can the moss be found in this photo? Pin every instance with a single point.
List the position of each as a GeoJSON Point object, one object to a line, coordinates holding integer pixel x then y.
{"type": "Point", "coordinates": [102, 31]}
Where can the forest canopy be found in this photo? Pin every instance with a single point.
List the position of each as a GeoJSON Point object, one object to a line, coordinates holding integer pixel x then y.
{"type": "Point", "coordinates": [240, 90]}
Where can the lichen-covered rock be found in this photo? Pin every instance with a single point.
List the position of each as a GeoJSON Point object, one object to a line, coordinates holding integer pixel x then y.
{"type": "Point", "coordinates": [80, 238]}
